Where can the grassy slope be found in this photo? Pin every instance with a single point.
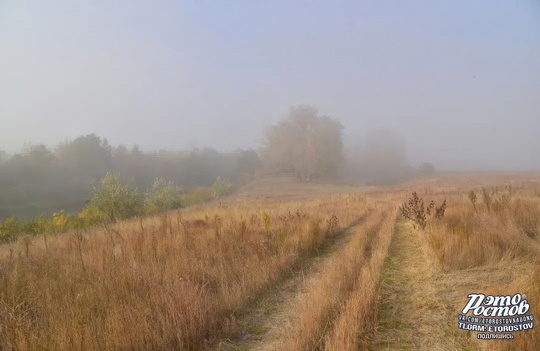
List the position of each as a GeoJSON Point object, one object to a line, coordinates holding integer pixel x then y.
{"type": "Point", "coordinates": [183, 281]}
{"type": "Point", "coordinates": [174, 281]}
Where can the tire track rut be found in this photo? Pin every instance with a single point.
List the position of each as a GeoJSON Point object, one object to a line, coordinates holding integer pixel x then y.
{"type": "Point", "coordinates": [262, 318]}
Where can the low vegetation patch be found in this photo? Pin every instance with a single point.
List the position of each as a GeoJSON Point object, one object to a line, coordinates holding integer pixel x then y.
{"type": "Point", "coordinates": [113, 200]}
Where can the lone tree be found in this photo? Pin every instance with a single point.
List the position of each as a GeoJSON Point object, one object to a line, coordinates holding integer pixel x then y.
{"type": "Point", "coordinates": [304, 143]}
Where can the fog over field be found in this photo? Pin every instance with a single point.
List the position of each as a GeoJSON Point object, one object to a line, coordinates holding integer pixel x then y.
{"type": "Point", "coordinates": [269, 175]}
{"type": "Point", "coordinates": [457, 81]}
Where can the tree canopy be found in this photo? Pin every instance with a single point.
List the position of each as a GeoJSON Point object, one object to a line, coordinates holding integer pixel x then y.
{"type": "Point", "coordinates": [305, 144]}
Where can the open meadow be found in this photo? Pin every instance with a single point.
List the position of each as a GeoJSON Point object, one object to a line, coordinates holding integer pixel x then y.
{"type": "Point", "coordinates": [269, 175]}
{"type": "Point", "coordinates": [284, 265]}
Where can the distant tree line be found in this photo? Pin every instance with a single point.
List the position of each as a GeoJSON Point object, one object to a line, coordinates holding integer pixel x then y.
{"type": "Point", "coordinates": [42, 180]}
{"type": "Point", "coordinates": [304, 144]}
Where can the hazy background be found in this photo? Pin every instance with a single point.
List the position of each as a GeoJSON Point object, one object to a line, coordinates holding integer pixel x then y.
{"type": "Point", "coordinates": [459, 81]}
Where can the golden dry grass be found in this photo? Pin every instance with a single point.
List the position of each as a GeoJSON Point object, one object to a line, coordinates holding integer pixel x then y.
{"type": "Point", "coordinates": [495, 250]}
{"type": "Point", "coordinates": [180, 281]}
{"type": "Point", "coordinates": [465, 239]}
{"type": "Point", "coordinates": [170, 282]}
{"type": "Point", "coordinates": [413, 309]}
{"type": "Point", "coordinates": [326, 301]}
{"type": "Point", "coordinates": [356, 313]}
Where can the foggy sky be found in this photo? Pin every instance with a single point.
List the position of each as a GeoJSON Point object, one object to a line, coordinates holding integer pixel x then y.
{"type": "Point", "coordinates": [458, 80]}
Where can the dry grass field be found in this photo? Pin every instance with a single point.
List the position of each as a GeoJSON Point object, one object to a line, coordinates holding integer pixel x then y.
{"type": "Point", "coordinates": [282, 266]}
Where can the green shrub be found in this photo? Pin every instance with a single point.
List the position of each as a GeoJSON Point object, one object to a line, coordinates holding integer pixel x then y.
{"type": "Point", "coordinates": [221, 187]}
{"type": "Point", "coordinates": [60, 222]}
{"type": "Point", "coordinates": [37, 226]}
{"type": "Point", "coordinates": [115, 199]}
{"type": "Point", "coordinates": [90, 216]}
{"type": "Point", "coordinates": [162, 196]}
{"type": "Point", "coordinates": [10, 228]}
